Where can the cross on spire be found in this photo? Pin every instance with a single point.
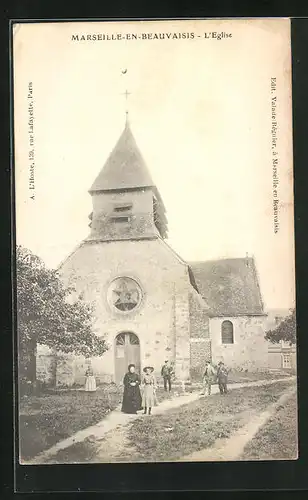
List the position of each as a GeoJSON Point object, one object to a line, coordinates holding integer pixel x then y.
{"type": "Point", "coordinates": [126, 93]}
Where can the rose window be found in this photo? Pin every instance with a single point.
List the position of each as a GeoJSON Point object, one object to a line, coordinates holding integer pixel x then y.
{"type": "Point", "coordinates": [124, 294]}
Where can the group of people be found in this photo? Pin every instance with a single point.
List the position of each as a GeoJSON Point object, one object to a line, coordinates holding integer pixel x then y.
{"type": "Point", "coordinates": [211, 375]}
{"type": "Point", "coordinates": [135, 399]}
{"type": "Point", "coordinates": [140, 392]}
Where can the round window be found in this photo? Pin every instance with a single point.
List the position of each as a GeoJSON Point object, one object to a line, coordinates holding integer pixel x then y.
{"type": "Point", "coordinates": [124, 294]}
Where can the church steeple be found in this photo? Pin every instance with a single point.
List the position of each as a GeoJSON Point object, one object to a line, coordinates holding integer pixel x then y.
{"type": "Point", "coordinates": [126, 202]}
{"type": "Point", "coordinates": [125, 167]}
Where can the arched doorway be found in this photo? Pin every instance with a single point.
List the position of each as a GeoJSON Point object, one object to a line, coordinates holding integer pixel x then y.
{"type": "Point", "coordinates": [127, 350]}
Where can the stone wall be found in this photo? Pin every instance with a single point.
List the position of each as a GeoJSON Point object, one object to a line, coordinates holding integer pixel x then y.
{"type": "Point", "coordinates": [200, 343]}
{"type": "Point", "coordinates": [249, 350]}
{"type": "Point", "coordinates": [199, 320]}
{"type": "Point", "coordinates": [141, 221]}
{"type": "Point", "coordinates": [182, 338]}
{"type": "Point", "coordinates": [65, 375]}
{"type": "Point", "coordinates": [45, 365]}
{"type": "Point", "coordinates": [200, 352]}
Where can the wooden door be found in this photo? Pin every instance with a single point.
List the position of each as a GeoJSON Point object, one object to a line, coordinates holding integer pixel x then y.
{"type": "Point", "coordinates": [127, 351]}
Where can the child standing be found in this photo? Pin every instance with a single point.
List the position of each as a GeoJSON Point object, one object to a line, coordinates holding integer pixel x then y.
{"type": "Point", "coordinates": [149, 388]}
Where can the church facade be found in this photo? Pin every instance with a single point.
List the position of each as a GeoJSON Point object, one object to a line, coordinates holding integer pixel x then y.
{"type": "Point", "coordinates": [149, 304]}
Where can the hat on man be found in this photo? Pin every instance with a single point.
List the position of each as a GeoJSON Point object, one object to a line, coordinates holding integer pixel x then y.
{"type": "Point", "coordinates": [148, 368]}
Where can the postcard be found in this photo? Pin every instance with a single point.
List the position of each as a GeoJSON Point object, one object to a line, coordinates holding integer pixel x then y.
{"type": "Point", "coordinates": [155, 241]}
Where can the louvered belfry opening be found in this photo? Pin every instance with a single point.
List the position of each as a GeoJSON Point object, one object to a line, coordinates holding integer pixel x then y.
{"type": "Point", "coordinates": [160, 219]}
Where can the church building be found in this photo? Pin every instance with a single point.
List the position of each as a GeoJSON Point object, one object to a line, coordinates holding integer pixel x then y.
{"type": "Point", "coordinates": [149, 304]}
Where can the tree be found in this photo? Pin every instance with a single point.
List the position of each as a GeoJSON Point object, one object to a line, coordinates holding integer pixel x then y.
{"type": "Point", "coordinates": [49, 313]}
{"type": "Point", "coordinates": [286, 330]}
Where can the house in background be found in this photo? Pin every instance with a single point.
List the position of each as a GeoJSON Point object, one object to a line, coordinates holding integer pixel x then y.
{"type": "Point", "coordinates": [281, 356]}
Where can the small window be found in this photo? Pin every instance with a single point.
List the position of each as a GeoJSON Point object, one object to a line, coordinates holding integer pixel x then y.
{"type": "Point", "coordinates": [286, 361]}
{"type": "Point", "coordinates": [120, 339]}
{"type": "Point", "coordinates": [127, 338]}
{"type": "Point", "coordinates": [120, 218]}
{"type": "Point", "coordinates": [123, 207]}
{"type": "Point", "coordinates": [133, 339]}
{"type": "Point", "coordinates": [227, 332]}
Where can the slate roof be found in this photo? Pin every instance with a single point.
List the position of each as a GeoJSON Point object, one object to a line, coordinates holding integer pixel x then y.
{"type": "Point", "coordinates": [125, 168]}
{"type": "Point", "coordinates": [230, 287]}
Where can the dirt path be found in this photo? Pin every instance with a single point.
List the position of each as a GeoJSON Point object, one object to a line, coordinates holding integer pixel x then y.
{"type": "Point", "coordinates": [109, 434]}
{"type": "Point", "coordinates": [232, 448]}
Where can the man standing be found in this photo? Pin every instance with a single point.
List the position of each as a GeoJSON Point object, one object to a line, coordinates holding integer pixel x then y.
{"type": "Point", "coordinates": [166, 373]}
{"type": "Point", "coordinates": [208, 378]}
{"type": "Point", "coordinates": [222, 377]}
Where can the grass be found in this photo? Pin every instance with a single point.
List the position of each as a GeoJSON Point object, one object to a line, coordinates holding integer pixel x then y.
{"type": "Point", "coordinates": [178, 432]}
{"type": "Point", "coordinates": [242, 376]}
{"type": "Point", "coordinates": [196, 426]}
{"type": "Point", "coordinates": [282, 424]}
{"type": "Point", "coordinates": [51, 417]}
{"type": "Point", "coordinates": [163, 395]}
{"type": "Point", "coordinates": [54, 416]}
{"type": "Point", "coordinates": [83, 452]}
{"type": "Point", "coordinates": [236, 376]}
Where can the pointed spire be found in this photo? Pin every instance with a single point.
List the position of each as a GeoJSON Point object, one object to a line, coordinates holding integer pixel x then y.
{"type": "Point", "coordinates": [125, 168]}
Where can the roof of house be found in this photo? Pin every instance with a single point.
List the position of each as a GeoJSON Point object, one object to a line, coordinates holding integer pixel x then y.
{"type": "Point", "coordinates": [230, 287]}
{"type": "Point", "coordinates": [125, 167]}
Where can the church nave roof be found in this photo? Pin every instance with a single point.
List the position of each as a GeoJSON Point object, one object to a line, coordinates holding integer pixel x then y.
{"type": "Point", "coordinates": [230, 287]}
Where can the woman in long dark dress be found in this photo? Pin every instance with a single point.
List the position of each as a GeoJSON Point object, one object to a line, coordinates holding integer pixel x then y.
{"type": "Point", "coordinates": [132, 401]}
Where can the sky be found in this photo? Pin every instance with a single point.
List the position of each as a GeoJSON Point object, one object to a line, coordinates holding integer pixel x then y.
{"type": "Point", "coordinates": [201, 113]}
